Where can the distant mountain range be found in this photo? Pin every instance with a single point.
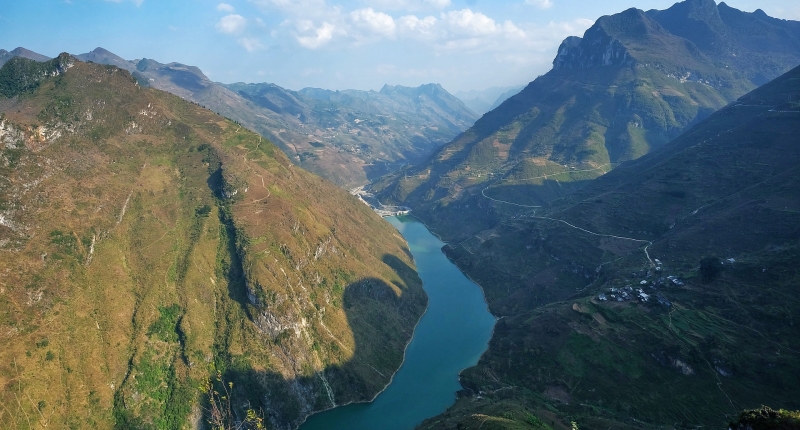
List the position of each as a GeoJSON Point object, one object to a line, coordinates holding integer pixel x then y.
{"type": "Point", "coordinates": [345, 136]}
{"type": "Point", "coordinates": [348, 137]}
{"type": "Point", "coordinates": [485, 100]}
{"type": "Point", "coordinates": [634, 81]}
{"type": "Point", "coordinates": [20, 52]}
{"type": "Point", "coordinates": [662, 292]}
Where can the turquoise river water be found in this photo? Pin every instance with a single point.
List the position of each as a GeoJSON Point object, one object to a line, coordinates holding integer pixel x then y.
{"type": "Point", "coordinates": [451, 336]}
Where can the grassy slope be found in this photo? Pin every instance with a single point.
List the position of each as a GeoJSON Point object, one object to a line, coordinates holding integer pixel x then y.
{"type": "Point", "coordinates": [584, 120]}
{"type": "Point", "coordinates": [728, 187]}
{"type": "Point", "coordinates": [585, 115]}
{"type": "Point", "coordinates": [148, 243]}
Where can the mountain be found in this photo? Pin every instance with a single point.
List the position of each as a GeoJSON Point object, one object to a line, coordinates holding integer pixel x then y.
{"type": "Point", "coordinates": [20, 52]}
{"type": "Point", "coordinates": [505, 96]}
{"type": "Point", "coordinates": [482, 101]}
{"type": "Point", "coordinates": [348, 137]}
{"type": "Point", "coordinates": [103, 56]}
{"type": "Point", "coordinates": [754, 44]}
{"type": "Point", "coordinates": [149, 247]}
{"type": "Point", "coordinates": [331, 130]}
{"type": "Point", "coordinates": [663, 293]}
{"type": "Point", "coordinates": [624, 89]}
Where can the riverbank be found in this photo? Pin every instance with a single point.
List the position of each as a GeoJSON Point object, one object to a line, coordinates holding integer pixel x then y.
{"type": "Point", "coordinates": [451, 336]}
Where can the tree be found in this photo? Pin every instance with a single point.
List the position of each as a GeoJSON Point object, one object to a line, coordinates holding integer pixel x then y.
{"type": "Point", "coordinates": [710, 268]}
{"type": "Point", "coordinates": [766, 418]}
{"type": "Point", "coordinates": [220, 414]}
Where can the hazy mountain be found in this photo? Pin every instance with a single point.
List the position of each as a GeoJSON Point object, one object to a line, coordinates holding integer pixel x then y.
{"type": "Point", "coordinates": [482, 101]}
{"type": "Point", "coordinates": [102, 56]}
{"type": "Point", "coordinates": [344, 136]}
{"type": "Point", "coordinates": [335, 132]}
{"type": "Point", "coordinates": [505, 96]}
{"type": "Point", "coordinates": [707, 226]}
{"type": "Point", "coordinates": [20, 52]}
{"type": "Point", "coordinates": [149, 245]}
{"type": "Point", "coordinates": [625, 88]}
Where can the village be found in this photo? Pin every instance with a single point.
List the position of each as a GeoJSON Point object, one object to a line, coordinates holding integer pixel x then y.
{"type": "Point", "coordinates": [628, 293]}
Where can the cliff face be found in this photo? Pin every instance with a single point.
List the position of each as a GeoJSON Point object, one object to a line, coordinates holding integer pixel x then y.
{"type": "Point", "coordinates": [147, 244]}
{"type": "Point", "coordinates": [596, 49]}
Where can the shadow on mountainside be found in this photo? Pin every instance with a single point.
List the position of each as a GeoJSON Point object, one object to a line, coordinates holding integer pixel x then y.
{"type": "Point", "coordinates": [382, 324]}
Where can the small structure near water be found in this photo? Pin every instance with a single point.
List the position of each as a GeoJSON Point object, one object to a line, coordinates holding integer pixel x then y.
{"type": "Point", "coordinates": [379, 208]}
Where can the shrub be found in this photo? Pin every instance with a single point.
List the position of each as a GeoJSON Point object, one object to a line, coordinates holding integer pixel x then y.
{"type": "Point", "coordinates": [710, 268]}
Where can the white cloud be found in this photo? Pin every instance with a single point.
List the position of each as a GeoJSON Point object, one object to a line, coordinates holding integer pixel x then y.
{"type": "Point", "coordinates": [469, 23]}
{"type": "Point", "coordinates": [541, 4]}
{"type": "Point", "coordinates": [316, 24]}
{"type": "Point", "coordinates": [251, 44]}
{"type": "Point", "coordinates": [414, 27]}
{"type": "Point", "coordinates": [319, 36]}
{"type": "Point", "coordinates": [374, 22]}
{"type": "Point", "coordinates": [231, 24]}
{"type": "Point", "coordinates": [225, 7]}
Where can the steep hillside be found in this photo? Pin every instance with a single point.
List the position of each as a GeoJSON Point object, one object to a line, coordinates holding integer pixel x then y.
{"type": "Point", "coordinates": [347, 137]}
{"type": "Point", "coordinates": [626, 88]}
{"type": "Point", "coordinates": [147, 244]}
{"type": "Point", "coordinates": [661, 294]}
{"type": "Point", "coordinates": [330, 130]}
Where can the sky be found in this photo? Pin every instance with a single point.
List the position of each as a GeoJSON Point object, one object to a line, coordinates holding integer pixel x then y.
{"type": "Point", "coordinates": [334, 44]}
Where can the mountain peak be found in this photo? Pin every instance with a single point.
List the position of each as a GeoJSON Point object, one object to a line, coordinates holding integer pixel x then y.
{"type": "Point", "coordinates": [695, 20]}
{"type": "Point", "coordinates": [102, 51]}
{"type": "Point", "coordinates": [103, 56]}
{"type": "Point", "coordinates": [424, 88]}
{"type": "Point", "coordinates": [597, 47]}
{"type": "Point", "coordinates": [27, 53]}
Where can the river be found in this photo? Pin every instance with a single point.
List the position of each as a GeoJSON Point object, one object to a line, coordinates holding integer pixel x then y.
{"type": "Point", "coordinates": [452, 335]}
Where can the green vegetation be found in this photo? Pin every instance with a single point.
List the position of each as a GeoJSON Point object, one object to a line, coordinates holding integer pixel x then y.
{"type": "Point", "coordinates": [765, 418]}
{"type": "Point", "coordinates": [585, 114]}
{"type": "Point", "coordinates": [155, 243]}
{"type": "Point", "coordinates": [711, 331]}
{"type": "Point", "coordinates": [166, 326]}
{"type": "Point", "coordinates": [380, 130]}
{"type": "Point", "coordinates": [710, 268]}
{"type": "Point", "coordinates": [21, 75]}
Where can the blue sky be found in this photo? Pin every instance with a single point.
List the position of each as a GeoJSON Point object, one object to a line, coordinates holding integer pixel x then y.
{"type": "Point", "coordinates": [336, 44]}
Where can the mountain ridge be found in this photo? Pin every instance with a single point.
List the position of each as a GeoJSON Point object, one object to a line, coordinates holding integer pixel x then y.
{"type": "Point", "coordinates": [150, 246]}
{"type": "Point", "coordinates": [656, 287]}
{"type": "Point", "coordinates": [349, 138]}
{"type": "Point", "coordinates": [323, 139]}
{"type": "Point", "coordinates": [624, 89]}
